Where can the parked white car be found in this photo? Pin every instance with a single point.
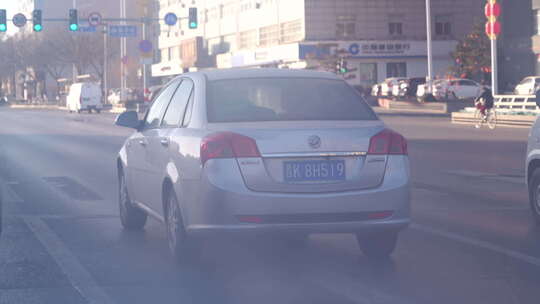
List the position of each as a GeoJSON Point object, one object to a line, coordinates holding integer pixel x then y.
{"type": "Point", "coordinates": [388, 84]}
{"type": "Point", "coordinates": [422, 90]}
{"type": "Point", "coordinates": [527, 86]}
{"type": "Point", "coordinates": [264, 150]}
{"type": "Point", "coordinates": [456, 89]}
{"type": "Point", "coordinates": [84, 96]}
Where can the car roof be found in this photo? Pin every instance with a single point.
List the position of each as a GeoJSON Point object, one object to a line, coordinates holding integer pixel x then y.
{"type": "Point", "coordinates": [237, 73]}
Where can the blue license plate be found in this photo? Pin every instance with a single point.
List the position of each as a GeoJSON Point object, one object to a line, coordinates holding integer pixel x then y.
{"type": "Point", "coordinates": [314, 170]}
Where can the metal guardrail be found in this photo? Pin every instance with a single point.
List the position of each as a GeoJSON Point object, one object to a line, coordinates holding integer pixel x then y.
{"type": "Point", "coordinates": [515, 103]}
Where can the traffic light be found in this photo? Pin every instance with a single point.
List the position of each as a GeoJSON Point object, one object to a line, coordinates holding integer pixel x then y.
{"type": "Point", "coordinates": [343, 68]}
{"type": "Point", "coordinates": [73, 20]}
{"type": "Point", "coordinates": [3, 20]}
{"type": "Point", "coordinates": [192, 20]}
{"type": "Point", "coordinates": [36, 19]}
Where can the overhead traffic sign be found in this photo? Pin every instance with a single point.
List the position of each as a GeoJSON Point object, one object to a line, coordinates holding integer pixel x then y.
{"type": "Point", "coordinates": [19, 20]}
{"type": "Point", "coordinates": [87, 29]}
{"type": "Point", "coordinates": [123, 31]}
{"type": "Point", "coordinates": [95, 19]}
{"type": "Point", "coordinates": [171, 19]}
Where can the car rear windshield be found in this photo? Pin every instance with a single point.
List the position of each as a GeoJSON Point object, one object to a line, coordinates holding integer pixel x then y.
{"type": "Point", "coordinates": [284, 99]}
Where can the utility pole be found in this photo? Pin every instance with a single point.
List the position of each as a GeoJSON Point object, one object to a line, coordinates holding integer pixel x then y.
{"type": "Point", "coordinates": [144, 64]}
{"type": "Point", "coordinates": [429, 45]}
{"type": "Point", "coordinates": [105, 63]}
{"type": "Point", "coordinates": [73, 67]}
{"type": "Point", "coordinates": [122, 53]}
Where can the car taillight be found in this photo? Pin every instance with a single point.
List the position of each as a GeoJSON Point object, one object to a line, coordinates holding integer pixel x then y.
{"type": "Point", "coordinates": [387, 142]}
{"type": "Point", "coordinates": [228, 145]}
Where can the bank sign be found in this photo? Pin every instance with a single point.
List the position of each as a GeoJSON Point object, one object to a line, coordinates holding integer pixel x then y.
{"type": "Point", "coordinates": [362, 49]}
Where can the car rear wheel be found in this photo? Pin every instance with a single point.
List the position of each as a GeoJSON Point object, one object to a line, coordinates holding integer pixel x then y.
{"type": "Point", "coordinates": [534, 195]}
{"type": "Point", "coordinates": [181, 245]}
{"type": "Point", "coordinates": [131, 217]}
{"type": "Point", "coordinates": [379, 245]}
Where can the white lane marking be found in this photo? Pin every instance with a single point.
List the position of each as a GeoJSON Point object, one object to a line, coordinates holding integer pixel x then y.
{"type": "Point", "coordinates": [479, 243]}
{"type": "Point", "coordinates": [509, 179]}
{"type": "Point", "coordinates": [77, 275]}
{"type": "Point", "coordinates": [10, 194]}
{"type": "Point", "coordinates": [356, 292]}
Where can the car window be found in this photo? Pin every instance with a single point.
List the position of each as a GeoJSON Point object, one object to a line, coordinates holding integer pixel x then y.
{"type": "Point", "coordinates": [189, 110]}
{"type": "Point", "coordinates": [175, 111]}
{"type": "Point", "coordinates": [153, 117]}
{"type": "Point", "coordinates": [526, 81]}
{"type": "Point", "coordinates": [467, 83]}
{"type": "Point", "coordinates": [284, 99]}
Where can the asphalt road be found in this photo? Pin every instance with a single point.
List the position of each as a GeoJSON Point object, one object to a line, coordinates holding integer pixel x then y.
{"type": "Point", "coordinates": [472, 240]}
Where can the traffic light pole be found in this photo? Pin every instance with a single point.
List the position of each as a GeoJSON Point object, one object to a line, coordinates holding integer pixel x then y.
{"type": "Point", "coordinates": [429, 46]}
{"type": "Point", "coordinates": [73, 67]}
{"type": "Point", "coordinates": [144, 63]}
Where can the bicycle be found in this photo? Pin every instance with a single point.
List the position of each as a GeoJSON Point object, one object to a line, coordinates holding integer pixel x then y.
{"type": "Point", "coordinates": [490, 118]}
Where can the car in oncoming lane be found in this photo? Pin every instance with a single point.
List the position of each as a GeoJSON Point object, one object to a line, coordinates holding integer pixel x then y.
{"type": "Point", "coordinates": [269, 151]}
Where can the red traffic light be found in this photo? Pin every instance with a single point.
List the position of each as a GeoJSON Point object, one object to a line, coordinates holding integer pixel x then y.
{"type": "Point", "coordinates": [493, 29]}
{"type": "Point", "coordinates": [493, 10]}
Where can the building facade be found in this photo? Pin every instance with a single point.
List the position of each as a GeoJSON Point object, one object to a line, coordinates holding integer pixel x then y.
{"type": "Point", "coordinates": [379, 38]}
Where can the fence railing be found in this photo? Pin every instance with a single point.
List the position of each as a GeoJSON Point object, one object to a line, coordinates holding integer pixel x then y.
{"type": "Point", "coordinates": [516, 103]}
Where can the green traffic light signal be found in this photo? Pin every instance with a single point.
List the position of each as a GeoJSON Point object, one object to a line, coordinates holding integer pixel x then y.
{"type": "Point", "coordinates": [73, 20]}
{"type": "Point", "coordinates": [192, 17]}
{"type": "Point", "coordinates": [343, 70]}
{"type": "Point", "coordinates": [3, 20]}
{"type": "Point", "coordinates": [36, 19]}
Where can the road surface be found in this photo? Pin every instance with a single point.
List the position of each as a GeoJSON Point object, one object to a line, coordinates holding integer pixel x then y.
{"type": "Point", "coordinates": [472, 238]}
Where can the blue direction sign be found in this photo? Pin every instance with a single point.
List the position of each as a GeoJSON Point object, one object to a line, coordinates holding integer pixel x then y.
{"type": "Point", "coordinates": [171, 19]}
{"type": "Point", "coordinates": [123, 31]}
{"type": "Point", "coordinates": [87, 29]}
{"type": "Point", "coordinates": [19, 20]}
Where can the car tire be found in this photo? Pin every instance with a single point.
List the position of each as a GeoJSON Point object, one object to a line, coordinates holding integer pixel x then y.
{"type": "Point", "coordinates": [98, 111]}
{"type": "Point", "coordinates": [79, 111]}
{"type": "Point", "coordinates": [182, 247]}
{"type": "Point", "coordinates": [534, 195]}
{"type": "Point", "coordinates": [89, 110]}
{"type": "Point", "coordinates": [131, 217]}
{"type": "Point", "coordinates": [378, 245]}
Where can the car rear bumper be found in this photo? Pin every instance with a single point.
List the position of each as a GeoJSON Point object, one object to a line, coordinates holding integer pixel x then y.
{"type": "Point", "coordinates": [221, 203]}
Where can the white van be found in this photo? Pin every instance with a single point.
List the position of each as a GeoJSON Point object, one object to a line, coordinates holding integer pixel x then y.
{"type": "Point", "coordinates": [84, 96]}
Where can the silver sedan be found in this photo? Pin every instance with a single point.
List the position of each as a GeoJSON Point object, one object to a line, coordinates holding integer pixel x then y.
{"type": "Point", "coordinates": [286, 152]}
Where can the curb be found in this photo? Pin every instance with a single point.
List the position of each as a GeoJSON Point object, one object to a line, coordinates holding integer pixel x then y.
{"type": "Point", "coordinates": [518, 121]}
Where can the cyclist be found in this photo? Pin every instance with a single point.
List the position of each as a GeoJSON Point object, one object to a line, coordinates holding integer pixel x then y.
{"type": "Point", "coordinates": [484, 101]}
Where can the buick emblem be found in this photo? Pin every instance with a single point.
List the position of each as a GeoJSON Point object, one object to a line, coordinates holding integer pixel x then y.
{"type": "Point", "coordinates": [314, 141]}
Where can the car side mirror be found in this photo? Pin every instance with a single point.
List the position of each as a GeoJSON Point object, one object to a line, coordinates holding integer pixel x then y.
{"type": "Point", "coordinates": [128, 119]}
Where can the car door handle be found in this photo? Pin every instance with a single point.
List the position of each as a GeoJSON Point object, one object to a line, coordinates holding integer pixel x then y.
{"type": "Point", "coordinates": [142, 143]}
{"type": "Point", "coordinates": [164, 142]}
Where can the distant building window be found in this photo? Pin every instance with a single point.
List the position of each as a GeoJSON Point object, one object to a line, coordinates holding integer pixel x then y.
{"type": "Point", "coordinates": [248, 39]}
{"type": "Point", "coordinates": [269, 35]}
{"type": "Point", "coordinates": [443, 25]}
{"type": "Point", "coordinates": [395, 28]}
{"type": "Point", "coordinates": [345, 30]}
{"type": "Point", "coordinates": [291, 31]}
{"type": "Point", "coordinates": [396, 69]}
